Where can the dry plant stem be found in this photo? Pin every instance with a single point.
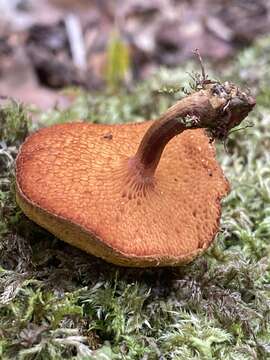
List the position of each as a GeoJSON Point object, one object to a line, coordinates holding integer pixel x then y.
{"type": "Point", "coordinates": [217, 107]}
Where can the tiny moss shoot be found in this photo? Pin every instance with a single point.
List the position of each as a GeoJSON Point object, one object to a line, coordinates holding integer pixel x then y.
{"type": "Point", "coordinates": [117, 61]}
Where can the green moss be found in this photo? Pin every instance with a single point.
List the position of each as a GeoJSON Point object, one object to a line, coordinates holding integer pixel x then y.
{"type": "Point", "coordinates": [58, 303]}
{"type": "Point", "coordinates": [13, 123]}
{"type": "Point", "coordinates": [118, 61]}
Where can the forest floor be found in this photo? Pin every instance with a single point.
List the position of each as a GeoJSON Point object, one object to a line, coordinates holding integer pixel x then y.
{"type": "Point", "coordinates": [59, 303]}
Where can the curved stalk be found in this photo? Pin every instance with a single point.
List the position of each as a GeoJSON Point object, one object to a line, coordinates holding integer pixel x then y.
{"type": "Point", "coordinates": [217, 107]}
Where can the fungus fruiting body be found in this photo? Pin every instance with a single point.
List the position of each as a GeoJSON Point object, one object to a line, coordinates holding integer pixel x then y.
{"type": "Point", "coordinates": [133, 194]}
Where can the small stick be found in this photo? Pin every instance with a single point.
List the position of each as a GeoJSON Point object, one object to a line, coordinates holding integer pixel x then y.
{"type": "Point", "coordinates": [197, 53]}
{"type": "Point", "coordinates": [76, 41]}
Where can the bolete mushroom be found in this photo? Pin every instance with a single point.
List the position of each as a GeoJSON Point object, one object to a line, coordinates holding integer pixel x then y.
{"type": "Point", "coordinates": [134, 194]}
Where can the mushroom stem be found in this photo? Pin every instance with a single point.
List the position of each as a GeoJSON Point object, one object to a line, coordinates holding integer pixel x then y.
{"type": "Point", "coordinates": [188, 113]}
{"type": "Point", "coordinates": [213, 107]}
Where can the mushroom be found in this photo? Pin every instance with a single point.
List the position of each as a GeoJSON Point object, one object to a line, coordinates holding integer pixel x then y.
{"type": "Point", "coordinates": [134, 194]}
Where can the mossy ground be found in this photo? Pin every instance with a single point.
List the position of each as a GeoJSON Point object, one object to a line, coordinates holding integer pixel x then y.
{"type": "Point", "coordinates": [59, 303]}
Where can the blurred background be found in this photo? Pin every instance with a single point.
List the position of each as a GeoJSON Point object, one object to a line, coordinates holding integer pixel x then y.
{"type": "Point", "coordinates": [48, 45]}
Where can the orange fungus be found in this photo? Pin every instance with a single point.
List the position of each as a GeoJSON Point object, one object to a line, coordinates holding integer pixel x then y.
{"type": "Point", "coordinates": [143, 194]}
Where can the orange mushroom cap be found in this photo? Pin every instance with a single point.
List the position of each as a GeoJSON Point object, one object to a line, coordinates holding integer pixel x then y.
{"type": "Point", "coordinates": [132, 194]}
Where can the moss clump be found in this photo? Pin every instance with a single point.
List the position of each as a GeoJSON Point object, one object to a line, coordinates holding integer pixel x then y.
{"type": "Point", "coordinates": [58, 303]}
{"type": "Point", "coordinates": [14, 123]}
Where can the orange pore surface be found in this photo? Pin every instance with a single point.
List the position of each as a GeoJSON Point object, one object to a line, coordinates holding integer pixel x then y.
{"type": "Point", "coordinates": [80, 172]}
